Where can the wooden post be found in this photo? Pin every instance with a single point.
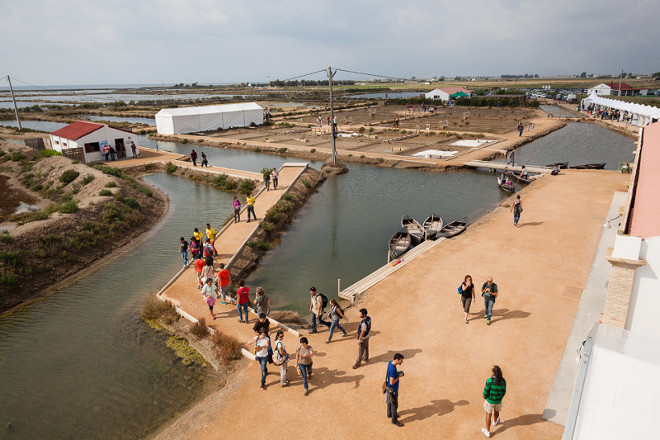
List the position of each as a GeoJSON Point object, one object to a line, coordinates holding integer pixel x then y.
{"type": "Point", "coordinates": [338, 286]}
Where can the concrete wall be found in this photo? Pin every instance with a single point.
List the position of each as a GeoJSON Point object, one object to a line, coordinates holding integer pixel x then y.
{"type": "Point", "coordinates": [600, 89]}
{"type": "Point", "coordinates": [645, 300]}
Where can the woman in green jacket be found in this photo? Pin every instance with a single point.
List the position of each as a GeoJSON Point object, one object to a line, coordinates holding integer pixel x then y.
{"type": "Point", "coordinates": [494, 392]}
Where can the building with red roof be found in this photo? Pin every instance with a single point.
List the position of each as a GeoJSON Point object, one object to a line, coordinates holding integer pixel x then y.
{"type": "Point", "coordinates": [90, 141]}
{"type": "Point", "coordinates": [614, 88]}
{"type": "Point", "coordinates": [445, 94]}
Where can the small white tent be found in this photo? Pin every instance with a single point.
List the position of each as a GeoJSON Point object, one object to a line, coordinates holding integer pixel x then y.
{"type": "Point", "coordinates": [642, 114]}
{"type": "Point", "coordinates": [209, 117]}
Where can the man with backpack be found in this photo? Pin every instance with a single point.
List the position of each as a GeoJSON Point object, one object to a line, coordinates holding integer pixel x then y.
{"type": "Point", "coordinates": [318, 302]}
{"type": "Point", "coordinates": [363, 338]}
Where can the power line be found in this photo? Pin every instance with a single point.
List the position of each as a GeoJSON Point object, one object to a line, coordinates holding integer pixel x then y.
{"type": "Point", "coordinates": [307, 74]}
{"type": "Point", "coordinates": [370, 74]}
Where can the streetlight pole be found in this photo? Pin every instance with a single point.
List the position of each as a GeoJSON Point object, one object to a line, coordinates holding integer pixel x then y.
{"type": "Point", "coordinates": [332, 118]}
{"type": "Point", "coordinates": [11, 90]}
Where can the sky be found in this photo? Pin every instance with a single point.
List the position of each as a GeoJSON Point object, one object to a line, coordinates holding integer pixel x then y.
{"type": "Point", "coordinates": [218, 41]}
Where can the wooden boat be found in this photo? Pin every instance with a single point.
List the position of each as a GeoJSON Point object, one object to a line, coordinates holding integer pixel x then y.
{"type": "Point", "coordinates": [590, 166]}
{"type": "Point", "coordinates": [432, 226]}
{"type": "Point", "coordinates": [414, 228]}
{"type": "Point", "coordinates": [522, 179]}
{"type": "Point", "coordinates": [508, 187]}
{"type": "Point", "coordinates": [452, 229]}
{"type": "Point", "coordinates": [399, 243]}
{"type": "Point", "coordinates": [562, 165]}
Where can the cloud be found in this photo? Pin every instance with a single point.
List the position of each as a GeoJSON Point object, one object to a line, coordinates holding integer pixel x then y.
{"type": "Point", "coordinates": [120, 41]}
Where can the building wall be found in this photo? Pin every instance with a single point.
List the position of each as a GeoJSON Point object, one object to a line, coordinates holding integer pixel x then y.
{"type": "Point", "coordinates": [645, 300]}
{"type": "Point", "coordinates": [437, 94]}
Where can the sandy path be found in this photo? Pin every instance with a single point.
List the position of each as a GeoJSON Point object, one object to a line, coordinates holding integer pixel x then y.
{"type": "Point", "coordinates": [540, 268]}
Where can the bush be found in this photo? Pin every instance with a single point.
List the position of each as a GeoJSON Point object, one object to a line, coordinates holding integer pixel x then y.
{"type": "Point", "coordinates": [69, 176]}
{"type": "Point", "coordinates": [105, 192]}
{"type": "Point", "coordinates": [131, 203]}
{"type": "Point", "coordinates": [36, 216]}
{"type": "Point", "coordinates": [307, 183]}
{"type": "Point", "coordinates": [250, 244]}
{"type": "Point", "coordinates": [230, 185]}
{"type": "Point", "coordinates": [154, 308]}
{"type": "Point", "coordinates": [282, 150]}
{"type": "Point", "coordinates": [266, 226]}
{"type": "Point", "coordinates": [283, 206]}
{"type": "Point", "coordinates": [199, 328]}
{"type": "Point", "coordinates": [111, 184]}
{"type": "Point", "coordinates": [313, 150]}
{"type": "Point", "coordinates": [52, 208]}
{"type": "Point", "coordinates": [17, 156]}
{"type": "Point", "coordinates": [361, 130]}
{"type": "Point", "coordinates": [5, 237]}
{"type": "Point", "coordinates": [230, 347]}
{"type": "Point", "coordinates": [49, 153]}
{"type": "Point", "coordinates": [263, 245]}
{"type": "Point", "coordinates": [380, 160]}
{"type": "Point", "coordinates": [220, 180]}
{"type": "Point", "coordinates": [171, 168]}
{"type": "Point", "coordinates": [8, 279]}
{"type": "Point", "coordinates": [184, 141]}
{"type": "Point", "coordinates": [145, 191]}
{"type": "Point", "coordinates": [287, 196]}
{"type": "Point", "coordinates": [11, 258]}
{"type": "Point", "coordinates": [272, 215]}
{"type": "Point", "coordinates": [246, 186]}
{"type": "Point", "coordinates": [69, 207]}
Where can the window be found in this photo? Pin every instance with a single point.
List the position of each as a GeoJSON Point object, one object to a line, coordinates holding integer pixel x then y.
{"type": "Point", "coordinates": [92, 147]}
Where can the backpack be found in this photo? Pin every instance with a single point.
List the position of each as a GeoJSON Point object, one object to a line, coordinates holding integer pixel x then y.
{"type": "Point", "coordinates": [208, 251]}
{"type": "Point", "coordinates": [324, 301]}
{"type": "Point", "coordinates": [278, 359]}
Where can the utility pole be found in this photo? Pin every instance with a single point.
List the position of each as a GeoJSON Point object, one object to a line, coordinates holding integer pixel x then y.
{"type": "Point", "coordinates": [332, 118]}
{"type": "Point", "coordinates": [11, 90]}
{"type": "Point", "coordinates": [620, 77]}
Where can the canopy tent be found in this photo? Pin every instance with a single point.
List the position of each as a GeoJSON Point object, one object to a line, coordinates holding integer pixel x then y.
{"type": "Point", "coordinates": [210, 117]}
{"type": "Point", "coordinates": [643, 114]}
{"type": "Point", "coordinates": [460, 94]}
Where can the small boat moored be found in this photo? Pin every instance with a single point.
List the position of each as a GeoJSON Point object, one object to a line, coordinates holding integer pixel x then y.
{"type": "Point", "coordinates": [413, 227]}
{"type": "Point", "coordinates": [506, 185]}
{"type": "Point", "coordinates": [399, 244]}
{"type": "Point", "coordinates": [562, 165]}
{"type": "Point", "coordinates": [522, 179]}
{"type": "Point", "coordinates": [590, 166]}
{"type": "Point", "coordinates": [452, 229]}
{"type": "Point", "coordinates": [432, 226]}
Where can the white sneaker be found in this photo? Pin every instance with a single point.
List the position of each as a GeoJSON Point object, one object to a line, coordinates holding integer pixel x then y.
{"type": "Point", "coordinates": [496, 422]}
{"type": "Point", "coordinates": [486, 433]}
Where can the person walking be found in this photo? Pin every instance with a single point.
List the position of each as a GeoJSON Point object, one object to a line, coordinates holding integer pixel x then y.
{"type": "Point", "coordinates": [392, 391]}
{"type": "Point", "coordinates": [275, 176]}
{"type": "Point", "coordinates": [250, 207]}
{"type": "Point", "coordinates": [363, 338]}
{"type": "Point", "coordinates": [183, 250]}
{"type": "Point", "coordinates": [209, 293]}
{"type": "Point", "coordinates": [243, 300]}
{"type": "Point", "coordinates": [237, 209]}
{"type": "Point", "coordinates": [210, 234]}
{"type": "Point", "coordinates": [520, 129]}
{"type": "Point", "coordinates": [266, 174]}
{"type": "Point", "coordinates": [199, 267]}
{"type": "Point", "coordinates": [261, 353]}
{"type": "Point", "coordinates": [489, 292]}
{"type": "Point", "coordinates": [316, 309]}
{"type": "Point", "coordinates": [207, 250]}
{"type": "Point", "coordinates": [467, 296]}
{"type": "Point", "coordinates": [261, 302]}
{"type": "Point", "coordinates": [198, 237]}
{"type": "Point", "coordinates": [263, 323]}
{"type": "Point", "coordinates": [208, 271]}
{"type": "Point", "coordinates": [336, 313]}
{"type": "Point", "coordinates": [224, 280]}
{"type": "Point", "coordinates": [134, 150]}
{"type": "Point", "coordinates": [281, 357]}
{"type": "Point", "coordinates": [494, 392]}
{"type": "Point", "coordinates": [205, 161]}
{"type": "Point", "coordinates": [304, 362]}
{"type": "Point", "coordinates": [194, 249]}
{"type": "Point", "coordinates": [516, 208]}
{"type": "Point", "coordinates": [193, 157]}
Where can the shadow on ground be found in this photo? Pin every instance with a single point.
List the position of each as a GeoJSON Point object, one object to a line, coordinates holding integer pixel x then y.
{"type": "Point", "coordinates": [435, 408]}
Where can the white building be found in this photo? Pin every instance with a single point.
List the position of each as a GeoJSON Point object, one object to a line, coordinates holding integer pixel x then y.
{"type": "Point", "coordinates": [447, 93]}
{"type": "Point", "coordinates": [209, 117]}
{"type": "Point", "coordinates": [84, 141]}
{"type": "Point", "coordinates": [614, 88]}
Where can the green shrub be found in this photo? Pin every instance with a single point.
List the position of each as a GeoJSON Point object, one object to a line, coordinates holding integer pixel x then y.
{"type": "Point", "coordinates": [69, 207]}
{"type": "Point", "coordinates": [52, 208]}
{"type": "Point", "coordinates": [283, 206]}
{"type": "Point", "coordinates": [263, 245]}
{"type": "Point", "coordinates": [362, 156]}
{"type": "Point", "coordinates": [87, 179]}
{"type": "Point", "coordinates": [267, 226]}
{"type": "Point", "coordinates": [371, 129]}
{"type": "Point", "coordinates": [256, 149]}
{"type": "Point", "coordinates": [287, 196]}
{"type": "Point", "coordinates": [171, 168]}
{"type": "Point", "coordinates": [87, 226]}
{"type": "Point", "coordinates": [17, 156]}
{"type": "Point", "coordinates": [230, 185]}
{"type": "Point", "coordinates": [131, 202]}
{"type": "Point", "coordinates": [145, 191]}
{"type": "Point", "coordinates": [111, 184]}
{"type": "Point", "coordinates": [272, 215]}
{"type": "Point", "coordinates": [11, 258]}
{"type": "Point", "coordinates": [184, 141]}
{"type": "Point", "coordinates": [282, 150]}
{"type": "Point", "coordinates": [380, 160]}
{"type": "Point", "coordinates": [69, 176]}
{"type": "Point", "coordinates": [361, 130]}
{"type": "Point", "coordinates": [307, 183]}
{"type": "Point", "coordinates": [250, 244]}
{"type": "Point", "coordinates": [8, 279]}
{"type": "Point", "coordinates": [5, 237]}
{"type": "Point", "coordinates": [36, 216]}
{"type": "Point", "coordinates": [246, 186]}
{"type": "Point", "coordinates": [220, 180]}
{"type": "Point", "coordinates": [49, 153]}
{"type": "Point", "coordinates": [313, 150]}
{"type": "Point", "coordinates": [105, 192]}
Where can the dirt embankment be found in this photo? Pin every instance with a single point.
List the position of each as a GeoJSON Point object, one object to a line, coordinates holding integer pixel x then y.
{"type": "Point", "coordinates": [85, 214]}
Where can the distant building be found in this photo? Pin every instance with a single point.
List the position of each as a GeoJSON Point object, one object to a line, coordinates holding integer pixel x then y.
{"type": "Point", "coordinates": [447, 93]}
{"type": "Point", "coordinates": [84, 141]}
{"type": "Point", "coordinates": [209, 117]}
{"type": "Point", "coordinates": [613, 89]}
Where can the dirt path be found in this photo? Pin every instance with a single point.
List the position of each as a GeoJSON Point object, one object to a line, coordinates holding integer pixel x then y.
{"type": "Point", "coordinates": [540, 268]}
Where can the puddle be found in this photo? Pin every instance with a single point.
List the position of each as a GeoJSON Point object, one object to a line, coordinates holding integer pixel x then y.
{"type": "Point", "coordinates": [25, 207]}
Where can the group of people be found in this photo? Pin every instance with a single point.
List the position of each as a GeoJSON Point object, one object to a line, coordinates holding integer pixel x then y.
{"type": "Point", "coordinates": [204, 162]}
{"type": "Point", "coordinates": [467, 291]}
{"type": "Point", "coordinates": [118, 151]}
{"type": "Point", "coordinates": [270, 175]}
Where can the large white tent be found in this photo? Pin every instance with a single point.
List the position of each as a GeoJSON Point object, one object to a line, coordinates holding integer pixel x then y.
{"type": "Point", "coordinates": [209, 117]}
{"type": "Point", "coordinates": [642, 114]}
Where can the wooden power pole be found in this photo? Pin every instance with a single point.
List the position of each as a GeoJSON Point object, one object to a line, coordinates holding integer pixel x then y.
{"type": "Point", "coordinates": [11, 90]}
{"type": "Point", "coordinates": [332, 118]}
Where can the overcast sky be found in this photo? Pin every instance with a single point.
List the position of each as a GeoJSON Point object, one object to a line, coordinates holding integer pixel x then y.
{"type": "Point", "coordinates": [149, 41]}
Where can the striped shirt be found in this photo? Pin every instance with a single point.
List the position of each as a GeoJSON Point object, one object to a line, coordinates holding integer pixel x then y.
{"type": "Point", "coordinates": [494, 393]}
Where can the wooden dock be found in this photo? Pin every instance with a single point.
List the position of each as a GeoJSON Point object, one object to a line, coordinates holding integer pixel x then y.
{"type": "Point", "coordinates": [501, 166]}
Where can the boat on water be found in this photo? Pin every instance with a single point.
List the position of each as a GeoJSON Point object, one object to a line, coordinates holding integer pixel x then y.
{"type": "Point", "coordinates": [414, 228]}
{"type": "Point", "coordinates": [522, 179]}
{"type": "Point", "coordinates": [452, 229]}
{"type": "Point", "coordinates": [561, 165]}
{"type": "Point", "coordinates": [506, 185]}
{"type": "Point", "coordinates": [432, 226]}
{"type": "Point", "coordinates": [590, 166]}
{"type": "Point", "coordinates": [399, 244]}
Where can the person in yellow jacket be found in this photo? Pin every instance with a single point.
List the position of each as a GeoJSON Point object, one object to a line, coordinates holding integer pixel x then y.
{"type": "Point", "coordinates": [210, 234]}
{"type": "Point", "coordinates": [250, 207]}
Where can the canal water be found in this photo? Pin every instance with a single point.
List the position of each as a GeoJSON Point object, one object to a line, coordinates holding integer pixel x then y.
{"type": "Point", "coordinates": [81, 364]}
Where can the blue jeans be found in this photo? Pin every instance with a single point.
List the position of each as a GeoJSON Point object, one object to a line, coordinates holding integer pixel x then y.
{"type": "Point", "coordinates": [488, 304]}
{"type": "Point", "coordinates": [241, 308]}
{"type": "Point", "coordinates": [250, 210]}
{"type": "Point", "coordinates": [304, 371]}
{"type": "Point", "coordinates": [263, 361]}
{"type": "Point", "coordinates": [516, 217]}
{"type": "Point", "coordinates": [184, 255]}
{"type": "Point", "coordinates": [335, 324]}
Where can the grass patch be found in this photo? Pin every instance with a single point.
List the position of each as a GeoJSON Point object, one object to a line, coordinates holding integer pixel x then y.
{"type": "Point", "coordinates": [230, 347]}
{"type": "Point", "coordinates": [87, 179]}
{"type": "Point", "coordinates": [5, 237]}
{"type": "Point", "coordinates": [69, 207]}
{"type": "Point", "coordinates": [111, 184]}
{"type": "Point", "coordinates": [17, 156]}
{"type": "Point", "coordinates": [184, 351]}
{"type": "Point", "coordinates": [154, 308]}
{"type": "Point", "coordinates": [263, 245]}
{"type": "Point", "coordinates": [131, 202]}
{"type": "Point", "coordinates": [171, 168]}
{"type": "Point", "coordinates": [8, 279]}
{"type": "Point", "coordinates": [36, 216]}
{"type": "Point", "coordinates": [282, 150]}
{"type": "Point", "coordinates": [10, 258]}
{"type": "Point", "coordinates": [199, 328]}
{"type": "Point", "coordinates": [49, 153]}
{"type": "Point", "coordinates": [69, 176]}
{"type": "Point", "coordinates": [105, 192]}
{"type": "Point", "coordinates": [220, 180]}
{"type": "Point", "coordinates": [288, 196]}
{"type": "Point", "coordinates": [307, 183]}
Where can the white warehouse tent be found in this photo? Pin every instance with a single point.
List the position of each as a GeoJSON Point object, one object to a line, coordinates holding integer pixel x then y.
{"type": "Point", "coordinates": [209, 117]}
{"type": "Point", "coordinates": [642, 114]}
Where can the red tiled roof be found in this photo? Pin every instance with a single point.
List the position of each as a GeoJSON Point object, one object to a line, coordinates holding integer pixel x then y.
{"type": "Point", "coordinates": [77, 130]}
{"type": "Point", "coordinates": [452, 90]}
{"type": "Point", "coordinates": [645, 216]}
{"type": "Point", "coordinates": [624, 86]}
